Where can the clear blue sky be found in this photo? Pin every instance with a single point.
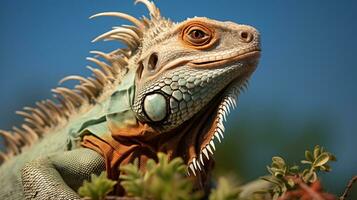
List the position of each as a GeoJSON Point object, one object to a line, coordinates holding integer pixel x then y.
{"type": "Point", "coordinates": [308, 67]}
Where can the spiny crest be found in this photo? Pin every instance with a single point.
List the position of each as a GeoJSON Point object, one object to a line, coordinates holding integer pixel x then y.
{"type": "Point", "coordinates": [51, 114]}
{"type": "Point", "coordinates": [228, 102]}
{"type": "Point", "coordinates": [145, 29]}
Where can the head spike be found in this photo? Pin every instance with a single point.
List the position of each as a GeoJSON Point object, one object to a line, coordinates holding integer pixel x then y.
{"type": "Point", "coordinates": [42, 107]}
{"type": "Point", "coordinates": [67, 107]}
{"type": "Point", "coordinates": [105, 67]}
{"type": "Point", "coordinates": [154, 11]}
{"type": "Point", "coordinates": [97, 84]}
{"type": "Point", "coordinates": [116, 31]}
{"type": "Point", "coordinates": [25, 137]}
{"type": "Point", "coordinates": [129, 31]}
{"type": "Point", "coordinates": [34, 115]}
{"type": "Point", "coordinates": [73, 95]}
{"type": "Point", "coordinates": [101, 54]}
{"type": "Point", "coordinates": [135, 29]}
{"type": "Point", "coordinates": [29, 116]}
{"type": "Point", "coordinates": [31, 132]}
{"type": "Point", "coordinates": [10, 141]}
{"type": "Point", "coordinates": [34, 124]}
{"type": "Point", "coordinates": [78, 78]}
{"type": "Point", "coordinates": [122, 52]}
{"type": "Point", "coordinates": [99, 75]}
{"type": "Point", "coordinates": [130, 18]}
{"type": "Point", "coordinates": [126, 40]}
{"type": "Point", "coordinates": [86, 91]}
{"type": "Point", "coordinates": [54, 108]}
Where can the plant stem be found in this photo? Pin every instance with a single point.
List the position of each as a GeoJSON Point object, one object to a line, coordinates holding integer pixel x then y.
{"type": "Point", "coordinates": [348, 188]}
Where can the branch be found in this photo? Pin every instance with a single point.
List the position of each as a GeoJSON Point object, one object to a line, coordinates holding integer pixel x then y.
{"type": "Point", "coordinates": [348, 188]}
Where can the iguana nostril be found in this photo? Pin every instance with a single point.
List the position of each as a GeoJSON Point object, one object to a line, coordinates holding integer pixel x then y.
{"type": "Point", "coordinates": [155, 107]}
{"type": "Point", "coordinates": [245, 36]}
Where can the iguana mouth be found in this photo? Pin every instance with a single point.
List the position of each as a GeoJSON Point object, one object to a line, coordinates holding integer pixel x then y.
{"type": "Point", "coordinates": [214, 61]}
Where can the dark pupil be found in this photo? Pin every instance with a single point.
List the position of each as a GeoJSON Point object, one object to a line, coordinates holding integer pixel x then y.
{"type": "Point", "coordinates": [197, 34]}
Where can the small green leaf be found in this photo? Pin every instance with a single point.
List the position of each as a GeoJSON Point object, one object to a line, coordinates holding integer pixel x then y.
{"type": "Point", "coordinates": [309, 176]}
{"type": "Point", "coordinates": [332, 157]}
{"type": "Point", "coordinates": [132, 179]}
{"type": "Point", "coordinates": [314, 177]}
{"type": "Point", "coordinates": [308, 156]}
{"type": "Point", "coordinates": [279, 161]}
{"type": "Point", "coordinates": [325, 168]}
{"type": "Point", "coordinates": [322, 168]}
{"type": "Point", "coordinates": [98, 188]}
{"type": "Point", "coordinates": [306, 162]}
{"type": "Point", "coordinates": [294, 169]}
{"type": "Point", "coordinates": [321, 159]}
{"type": "Point", "coordinates": [322, 149]}
{"type": "Point", "coordinates": [306, 175]}
{"type": "Point", "coordinates": [316, 151]}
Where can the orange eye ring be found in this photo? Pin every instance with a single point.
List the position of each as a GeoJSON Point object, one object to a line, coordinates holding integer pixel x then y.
{"type": "Point", "coordinates": [198, 35]}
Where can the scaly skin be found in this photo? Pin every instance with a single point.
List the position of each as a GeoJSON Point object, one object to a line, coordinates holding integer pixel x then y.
{"type": "Point", "coordinates": [170, 91]}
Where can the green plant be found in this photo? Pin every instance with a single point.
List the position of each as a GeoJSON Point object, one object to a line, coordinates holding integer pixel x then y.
{"type": "Point", "coordinates": [226, 190]}
{"type": "Point", "coordinates": [317, 161]}
{"type": "Point", "coordinates": [281, 176]}
{"type": "Point", "coordinates": [304, 182]}
{"type": "Point", "coordinates": [163, 180]}
{"type": "Point", "coordinates": [97, 188]}
{"type": "Point", "coordinates": [167, 179]}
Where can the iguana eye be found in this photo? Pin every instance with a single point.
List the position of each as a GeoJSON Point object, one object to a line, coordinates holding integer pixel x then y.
{"type": "Point", "coordinates": [198, 35]}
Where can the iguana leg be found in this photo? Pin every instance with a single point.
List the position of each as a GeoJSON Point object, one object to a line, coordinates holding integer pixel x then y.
{"type": "Point", "coordinates": [60, 175]}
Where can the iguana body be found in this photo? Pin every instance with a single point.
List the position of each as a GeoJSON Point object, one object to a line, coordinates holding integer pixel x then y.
{"type": "Point", "coordinates": [169, 91]}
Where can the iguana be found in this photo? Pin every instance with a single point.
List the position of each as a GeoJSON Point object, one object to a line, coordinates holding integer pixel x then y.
{"type": "Point", "coordinates": [168, 91]}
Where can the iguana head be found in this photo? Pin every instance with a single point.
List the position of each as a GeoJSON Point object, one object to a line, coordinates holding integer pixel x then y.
{"type": "Point", "coordinates": [186, 65]}
{"type": "Point", "coordinates": [187, 77]}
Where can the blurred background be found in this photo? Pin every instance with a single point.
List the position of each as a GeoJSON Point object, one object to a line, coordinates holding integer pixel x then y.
{"type": "Point", "coordinates": [303, 93]}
